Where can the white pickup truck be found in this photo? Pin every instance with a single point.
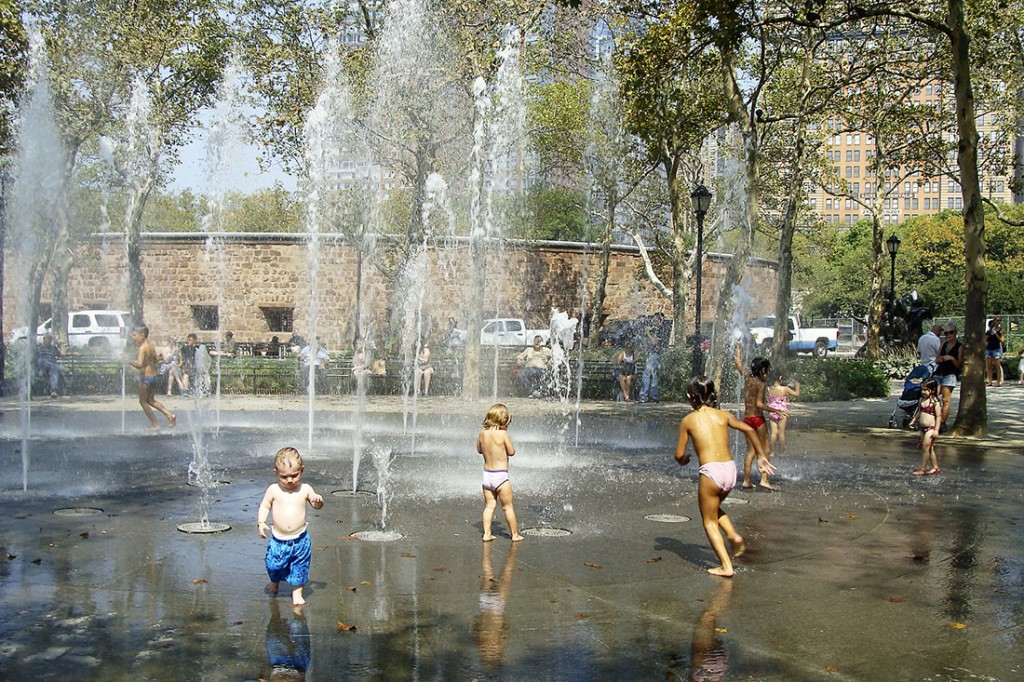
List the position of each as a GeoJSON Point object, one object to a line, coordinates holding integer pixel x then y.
{"type": "Point", "coordinates": [508, 331]}
{"type": "Point", "coordinates": [817, 341]}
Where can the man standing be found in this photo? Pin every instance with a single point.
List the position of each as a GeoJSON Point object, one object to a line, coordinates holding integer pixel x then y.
{"type": "Point", "coordinates": [47, 356]}
{"type": "Point", "coordinates": [533, 363]}
{"type": "Point", "coordinates": [928, 346]}
{"type": "Point", "coordinates": [657, 339]}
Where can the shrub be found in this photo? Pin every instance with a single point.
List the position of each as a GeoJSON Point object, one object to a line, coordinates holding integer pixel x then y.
{"type": "Point", "coordinates": [837, 379]}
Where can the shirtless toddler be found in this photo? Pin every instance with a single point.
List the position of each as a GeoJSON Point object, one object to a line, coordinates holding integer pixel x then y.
{"type": "Point", "coordinates": [709, 428]}
{"type": "Point", "coordinates": [496, 446]}
{"type": "Point", "coordinates": [754, 385]}
{"type": "Point", "coordinates": [289, 549]}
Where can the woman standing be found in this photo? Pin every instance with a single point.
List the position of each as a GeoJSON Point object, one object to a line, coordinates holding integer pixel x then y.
{"type": "Point", "coordinates": [950, 360]}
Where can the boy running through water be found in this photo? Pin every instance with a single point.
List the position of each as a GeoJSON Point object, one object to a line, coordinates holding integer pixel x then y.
{"type": "Point", "coordinates": [754, 385]}
{"type": "Point", "coordinates": [708, 427]}
{"type": "Point", "coordinates": [289, 549]}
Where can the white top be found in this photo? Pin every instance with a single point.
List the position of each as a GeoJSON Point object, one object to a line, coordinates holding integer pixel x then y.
{"type": "Point", "coordinates": [928, 347]}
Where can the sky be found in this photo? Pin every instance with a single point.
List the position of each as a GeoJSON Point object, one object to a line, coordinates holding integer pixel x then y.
{"type": "Point", "coordinates": [245, 174]}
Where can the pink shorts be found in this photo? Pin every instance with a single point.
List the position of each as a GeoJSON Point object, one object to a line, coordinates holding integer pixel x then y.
{"type": "Point", "coordinates": [722, 474]}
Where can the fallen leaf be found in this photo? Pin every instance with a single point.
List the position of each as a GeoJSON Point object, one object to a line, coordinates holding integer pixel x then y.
{"type": "Point", "coordinates": [194, 626]}
{"type": "Point", "coordinates": [408, 555]}
{"type": "Point", "coordinates": [582, 616]}
{"type": "Point", "coordinates": [366, 583]}
{"type": "Point", "coordinates": [998, 591]}
{"type": "Point", "coordinates": [342, 627]}
{"type": "Point", "coordinates": [850, 517]}
{"type": "Point", "coordinates": [12, 557]}
{"type": "Point", "coordinates": [37, 561]}
{"type": "Point", "coordinates": [654, 560]}
{"type": "Point", "coordinates": [84, 536]}
{"type": "Point", "coordinates": [821, 520]}
{"type": "Point", "coordinates": [351, 587]}
{"type": "Point", "coordinates": [721, 630]}
{"type": "Point", "coordinates": [199, 581]}
{"type": "Point", "coordinates": [897, 600]}
{"type": "Point", "coordinates": [958, 626]}
{"type": "Point", "coordinates": [103, 532]}
{"type": "Point", "coordinates": [350, 537]}
{"type": "Point", "coordinates": [589, 565]}
{"type": "Point", "coordinates": [320, 549]}
{"type": "Point", "coordinates": [920, 557]}
{"type": "Point", "coordinates": [21, 516]}
{"type": "Point", "coordinates": [553, 600]}
{"type": "Point", "coordinates": [831, 669]}
{"type": "Point", "coordinates": [440, 569]}
{"type": "Point", "coordinates": [238, 622]}
{"type": "Point", "coordinates": [166, 645]}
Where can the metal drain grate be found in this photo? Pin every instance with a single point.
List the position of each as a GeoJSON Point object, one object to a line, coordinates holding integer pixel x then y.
{"type": "Point", "coordinates": [377, 535]}
{"type": "Point", "coordinates": [77, 511]}
{"type": "Point", "coordinates": [200, 527]}
{"type": "Point", "coordinates": [354, 493]}
{"type": "Point", "coordinates": [547, 532]}
{"type": "Point", "coordinates": [667, 518]}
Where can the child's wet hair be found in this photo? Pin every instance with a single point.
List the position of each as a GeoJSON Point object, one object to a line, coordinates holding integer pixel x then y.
{"type": "Point", "coordinates": [701, 392]}
{"type": "Point", "coordinates": [142, 329]}
{"type": "Point", "coordinates": [932, 385]}
{"type": "Point", "coordinates": [760, 367]}
{"type": "Point", "coordinates": [286, 456]}
{"type": "Point", "coordinates": [497, 415]}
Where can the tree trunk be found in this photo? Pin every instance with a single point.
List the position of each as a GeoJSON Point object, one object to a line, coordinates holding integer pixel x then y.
{"type": "Point", "coordinates": [680, 267]}
{"type": "Point", "coordinates": [722, 340]}
{"type": "Point", "coordinates": [876, 299]}
{"type": "Point", "coordinates": [597, 309]}
{"type": "Point", "coordinates": [794, 199]}
{"type": "Point", "coordinates": [133, 250]}
{"type": "Point", "coordinates": [972, 414]}
{"type": "Point", "coordinates": [475, 319]}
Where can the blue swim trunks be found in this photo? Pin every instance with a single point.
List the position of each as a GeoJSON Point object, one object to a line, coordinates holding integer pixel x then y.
{"type": "Point", "coordinates": [288, 560]}
{"type": "Point", "coordinates": [149, 381]}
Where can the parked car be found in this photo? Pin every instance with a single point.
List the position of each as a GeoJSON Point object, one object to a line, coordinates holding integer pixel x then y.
{"type": "Point", "coordinates": [97, 329]}
{"type": "Point", "coordinates": [507, 331]}
{"type": "Point", "coordinates": [818, 341]}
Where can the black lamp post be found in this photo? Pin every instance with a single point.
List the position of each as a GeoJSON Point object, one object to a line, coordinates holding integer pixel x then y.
{"type": "Point", "coordinates": [701, 199]}
{"type": "Point", "coordinates": [893, 245]}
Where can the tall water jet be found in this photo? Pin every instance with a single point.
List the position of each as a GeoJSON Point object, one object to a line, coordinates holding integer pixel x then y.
{"type": "Point", "coordinates": [325, 131]}
{"type": "Point", "coordinates": [223, 138]}
{"type": "Point", "coordinates": [38, 189]}
{"type": "Point", "coordinates": [200, 473]}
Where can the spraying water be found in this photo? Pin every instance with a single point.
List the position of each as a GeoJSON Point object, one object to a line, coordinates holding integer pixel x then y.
{"type": "Point", "coordinates": [224, 136]}
{"type": "Point", "coordinates": [37, 192]}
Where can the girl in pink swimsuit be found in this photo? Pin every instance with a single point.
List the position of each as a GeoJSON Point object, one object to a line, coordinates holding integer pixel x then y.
{"type": "Point", "coordinates": [778, 402]}
{"type": "Point", "coordinates": [929, 416]}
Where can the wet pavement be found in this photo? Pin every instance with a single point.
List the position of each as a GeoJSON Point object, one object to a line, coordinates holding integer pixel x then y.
{"type": "Point", "coordinates": [856, 570]}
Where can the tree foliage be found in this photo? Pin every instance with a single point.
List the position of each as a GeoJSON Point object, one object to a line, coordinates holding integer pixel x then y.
{"type": "Point", "coordinates": [13, 62]}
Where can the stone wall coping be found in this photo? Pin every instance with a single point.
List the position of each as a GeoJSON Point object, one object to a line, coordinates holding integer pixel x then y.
{"type": "Point", "coordinates": [302, 237]}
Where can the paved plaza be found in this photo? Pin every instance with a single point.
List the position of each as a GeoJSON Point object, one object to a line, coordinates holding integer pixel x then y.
{"type": "Point", "coordinates": [855, 569]}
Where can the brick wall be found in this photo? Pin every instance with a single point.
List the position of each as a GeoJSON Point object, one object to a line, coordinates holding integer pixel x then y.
{"type": "Point", "coordinates": [243, 274]}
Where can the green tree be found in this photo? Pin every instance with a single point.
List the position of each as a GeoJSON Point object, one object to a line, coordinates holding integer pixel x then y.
{"type": "Point", "coordinates": [164, 53]}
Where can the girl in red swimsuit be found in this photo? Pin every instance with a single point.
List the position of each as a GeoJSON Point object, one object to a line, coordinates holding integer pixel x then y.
{"type": "Point", "coordinates": [929, 416]}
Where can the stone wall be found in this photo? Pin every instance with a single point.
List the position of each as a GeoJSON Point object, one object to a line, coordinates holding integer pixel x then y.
{"type": "Point", "coordinates": [245, 276]}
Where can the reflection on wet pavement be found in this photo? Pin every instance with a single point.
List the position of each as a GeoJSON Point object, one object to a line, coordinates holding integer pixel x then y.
{"type": "Point", "coordinates": [854, 569]}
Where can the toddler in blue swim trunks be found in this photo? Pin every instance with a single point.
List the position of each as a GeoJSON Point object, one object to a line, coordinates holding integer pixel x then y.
{"type": "Point", "coordinates": [288, 549]}
{"type": "Point", "coordinates": [709, 428]}
{"type": "Point", "coordinates": [496, 446]}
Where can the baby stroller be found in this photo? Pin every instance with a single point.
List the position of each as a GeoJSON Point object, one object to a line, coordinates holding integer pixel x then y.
{"type": "Point", "coordinates": [906, 404]}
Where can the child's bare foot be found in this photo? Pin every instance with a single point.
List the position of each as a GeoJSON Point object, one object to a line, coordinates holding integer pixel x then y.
{"type": "Point", "coordinates": [271, 588]}
{"type": "Point", "coordinates": [297, 599]}
{"type": "Point", "coordinates": [489, 538]}
{"type": "Point", "coordinates": [154, 427]}
{"type": "Point", "coordinates": [738, 546]}
{"type": "Point", "coordinates": [766, 485]}
{"type": "Point", "coordinates": [721, 572]}
{"type": "Point", "coordinates": [517, 538]}
{"type": "Point", "coordinates": [747, 485]}
{"type": "Point", "coordinates": [172, 421]}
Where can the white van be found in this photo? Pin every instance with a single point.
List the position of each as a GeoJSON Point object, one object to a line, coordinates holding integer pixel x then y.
{"type": "Point", "coordinates": [97, 329]}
